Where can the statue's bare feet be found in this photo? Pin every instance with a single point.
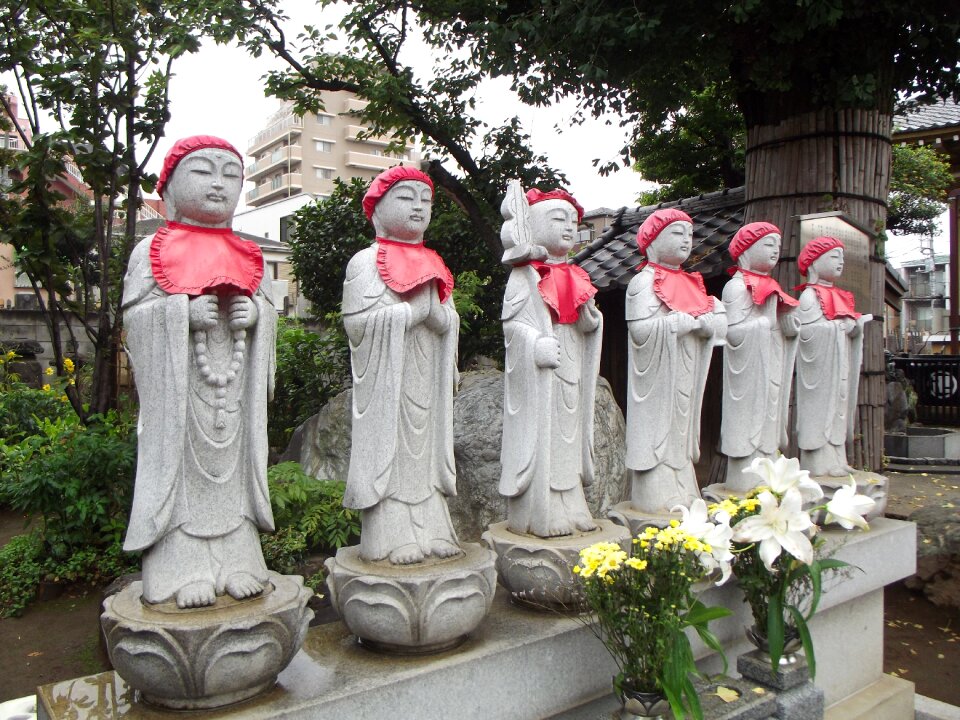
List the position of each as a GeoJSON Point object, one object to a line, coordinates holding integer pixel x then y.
{"type": "Point", "coordinates": [196, 594]}
{"type": "Point", "coordinates": [406, 555]}
{"type": "Point", "coordinates": [242, 585]}
{"type": "Point", "coordinates": [585, 524]}
{"type": "Point", "coordinates": [443, 549]}
{"type": "Point", "coordinates": [559, 528]}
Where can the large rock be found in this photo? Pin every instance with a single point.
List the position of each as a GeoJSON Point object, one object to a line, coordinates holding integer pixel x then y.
{"type": "Point", "coordinates": [938, 555]}
{"type": "Point", "coordinates": [324, 450]}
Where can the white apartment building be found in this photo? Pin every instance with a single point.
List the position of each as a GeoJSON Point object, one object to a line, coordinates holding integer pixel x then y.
{"type": "Point", "coordinates": [294, 155]}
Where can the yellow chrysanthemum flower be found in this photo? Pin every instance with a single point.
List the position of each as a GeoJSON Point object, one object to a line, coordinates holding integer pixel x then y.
{"type": "Point", "coordinates": [48, 371]}
{"type": "Point", "coordinates": [636, 563]}
{"type": "Point", "coordinates": [46, 388]}
{"type": "Point", "coordinates": [68, 365]}
{"type": "Point", "coordinates": [64, 398]}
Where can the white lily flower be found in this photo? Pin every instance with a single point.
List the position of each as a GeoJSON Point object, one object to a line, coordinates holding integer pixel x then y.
{"type": "Point", "coordinates": [847, 508]}
{"type": "Point", "coordinates": [784, 473]}
{"type": "Point", "coordinates": [779, 526]}
{"type": "Point", "coordinates": [717, 535]}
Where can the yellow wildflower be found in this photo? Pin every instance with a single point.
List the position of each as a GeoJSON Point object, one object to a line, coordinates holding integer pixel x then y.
{"type": "Point", "coordinates": [674, 523]}
{"type": "Point", "coordinates": [64, 398]}
{"type": "Point", "coordinates": [71, 381]}
{"type": "Point", "coordinates": [48, 371]}
{"type": "Point", "coordinates": [46, 388]}
{"type": "Point", "coordinates": [636, 563]}
{"type": "Point", "coordinates": [68, 365]}
{"type": "Point", "coordinates": [10, 355]}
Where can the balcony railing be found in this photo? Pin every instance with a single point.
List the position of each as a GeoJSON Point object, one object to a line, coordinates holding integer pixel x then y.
{"type": "Point", "coordinates": [275, 188]}
{"type": "Point", "coordinates": [371, 162]}
{"type": "Point", "coordinates": [278, 158]}
{"type": "Point", "coordinates": [286, 124]}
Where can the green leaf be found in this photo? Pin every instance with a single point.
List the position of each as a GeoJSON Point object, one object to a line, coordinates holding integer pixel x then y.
{"type": "Point", "coordinates": [775, 630]}
{"type": "Point", "coordinates": [805, 638]}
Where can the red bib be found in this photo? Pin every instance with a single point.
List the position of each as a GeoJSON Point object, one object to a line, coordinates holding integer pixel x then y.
{"type": "Point", "coordinates": [681, 291]}
{"type": "Point", "coordinates": [404, 267]}
{"type": "Point", "coordinates": [564, 288]}
{"type": "Point", "coordinates": [192, 260]}
{"type": "Point", "coordinates": [763, 286]}
{"type": "Point", "coordinates": [833, 301]}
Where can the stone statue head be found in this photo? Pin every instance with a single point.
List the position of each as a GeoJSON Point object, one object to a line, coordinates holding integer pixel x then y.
{"type": "Point", "coordinates": [666, 237]}
{"type": "Point", "coordinates": [398, 204]}
{"type": "Point", "coordinates": [756, 247]}
{"type": "Point", "coordinates": [554, 217]}
{"type": "Point", "coordinates": [201, 181]}
{"type": "Point", "coordinates": [821, 260]}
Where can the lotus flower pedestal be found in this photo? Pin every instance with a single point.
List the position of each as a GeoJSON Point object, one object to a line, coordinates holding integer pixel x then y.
{"type": "Point", "coordinates": [203, 658]}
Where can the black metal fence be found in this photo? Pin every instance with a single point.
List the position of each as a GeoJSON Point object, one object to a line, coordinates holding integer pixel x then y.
{"type": "Point", "coordinates": [936, 378]}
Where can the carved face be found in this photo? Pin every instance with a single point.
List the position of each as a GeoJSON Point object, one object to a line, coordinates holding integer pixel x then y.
{"type": "Point", "coordinates": [762, 256]}
{"type": "Point", "coordinates": [404, 212]}
{"type": "Point", "coordinates": [554, 226]}
{"type": "Point", "coordinates": [205, 187]}
{"type": "Point", "coordinates": [673, 245]}
{"type": "Point", "coordinates": [829, 266]}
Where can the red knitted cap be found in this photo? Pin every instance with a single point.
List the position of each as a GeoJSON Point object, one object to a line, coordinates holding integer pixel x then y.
{"type": "Point", "coordinates": [386, 180]}
{"type": "Point", "coordinates": [814, 249]}
{"type": "Point", "coordinates": [534, 196]}
{"type": "Point", "coordinates": [183, 147]}
{"type": "Point", "coordinates": [749, 234]}
{"type": "Point", "coordinates": [656, 222]}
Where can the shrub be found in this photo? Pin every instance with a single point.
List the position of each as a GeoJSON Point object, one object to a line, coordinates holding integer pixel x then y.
{"type": "Point", "coordinates": [313, 507]}
{"type": "Point", "coordinates": [77, 479]}
{"type": "Point", "coordinates": [23, 565]}
{"type": "Point", "coordinates": [311, 369]}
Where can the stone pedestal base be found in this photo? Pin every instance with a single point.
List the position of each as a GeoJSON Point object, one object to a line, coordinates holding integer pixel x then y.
{"type": "Point", "coordinates": [797, 697]}
{"type": "Point", "coordinates": [204, 658]}
{"type": "Point", "coordinates": [635, 521]}
{"type": "Point", "coordinates": [412, 609]}
{"type": "Point", "coordinates": [538, 571]}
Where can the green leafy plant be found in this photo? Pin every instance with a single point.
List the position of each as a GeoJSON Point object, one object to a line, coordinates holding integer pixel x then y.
{"type": "Point", "coordinates": [312, 507]}
{"type": "Point", "coordinates": [644, 602]}
{"type": "Point", "coordinates": [76, 479]}
{"type": "Point", "coordinates": [24, 564]}
{"type": "Point", "coordinates": [312, 367]}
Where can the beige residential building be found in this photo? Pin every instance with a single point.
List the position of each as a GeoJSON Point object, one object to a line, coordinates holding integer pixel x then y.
{"type": "Point", "coordinates": [295, 154]}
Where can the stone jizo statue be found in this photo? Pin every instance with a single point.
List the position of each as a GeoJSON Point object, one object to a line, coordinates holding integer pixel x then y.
{"type": "Point", "coordinates": [403, 330]}
{"type": "Point", "coordinates": [759, 356]}
{"type": "Point", "coordinates": [828, 361]}
{"type": "Point", "coordinates": [200, 333]}
{"type": "Point", "coordinates": [673, 326]}
{"type": "Point", "coordinates": [552, 330]}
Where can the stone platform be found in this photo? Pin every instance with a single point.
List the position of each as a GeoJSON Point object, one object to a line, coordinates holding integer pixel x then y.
{"type": "Point", "coordinates": [522, 664]}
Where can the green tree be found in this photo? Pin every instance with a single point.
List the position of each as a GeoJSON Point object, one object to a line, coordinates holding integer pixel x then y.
{"type": "Point", "coordinates": [435, 106]}
{"type": "Point", "coordinates": [919, 180]}
{"type": "Point", "coordinates": [101, 69]}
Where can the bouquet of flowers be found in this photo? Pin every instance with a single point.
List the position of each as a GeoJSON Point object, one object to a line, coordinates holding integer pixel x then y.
{"type": "Point", "coordinates": [777, 550]}
{"type": "Point", "coordinates": [644, 600]}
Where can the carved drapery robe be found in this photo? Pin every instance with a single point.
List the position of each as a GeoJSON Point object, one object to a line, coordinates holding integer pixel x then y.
{"type": "Point", "coordinates": [401, 461]}
{"type": "Point", "coordinates": [828, 377]}
{"type": "Point", "coordinates": [547, 448]}
{"type": "Point", "coordinates": [758, 364]}
{"type": "Point", "coordinates": [666, 377]}
{"type": "Point", "coordinates": [201, 485]}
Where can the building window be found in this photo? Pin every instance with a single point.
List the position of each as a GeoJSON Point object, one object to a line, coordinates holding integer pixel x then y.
{"type": "Point", "coordinates": [324, 119]}
{"type": "Point", "coordinates": [324, 146]}
{"type": "Point", "coordinates": [286, 225]}
{"type": "Point", "coordinates": [274, 270]}
{"type": "Point", "coordinates": [323, 173]}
